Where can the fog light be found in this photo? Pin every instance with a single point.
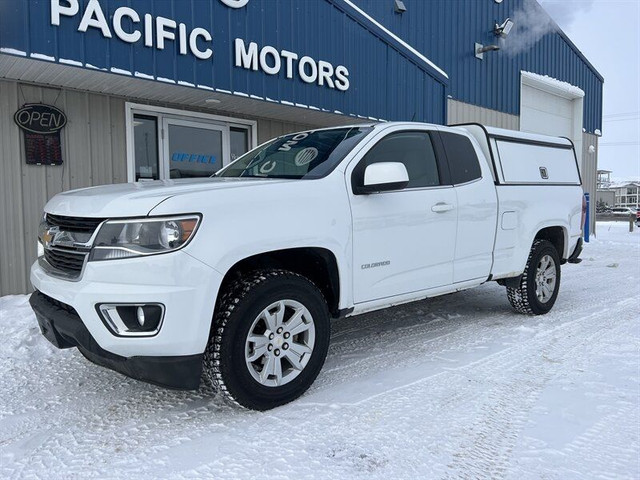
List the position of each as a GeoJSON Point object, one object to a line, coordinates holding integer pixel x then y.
{"type": "Point", "coordinates": [132, 320]}
{"type": "Point", "coordinates": [140, 315]}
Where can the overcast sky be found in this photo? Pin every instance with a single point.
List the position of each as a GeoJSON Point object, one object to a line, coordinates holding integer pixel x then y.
{"type": "Point", "coordinates": [607, 32]}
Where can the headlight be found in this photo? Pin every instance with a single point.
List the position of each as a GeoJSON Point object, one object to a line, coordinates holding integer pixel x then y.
{"type": "Point", "coordinates": [139, 237]}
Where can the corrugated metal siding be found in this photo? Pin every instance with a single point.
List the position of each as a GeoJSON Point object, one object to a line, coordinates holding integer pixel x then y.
{"type": "Point", "coordinates": [589, 174]}
{"type": "Point", "coordinates": [324, 30]}
{"type": "Point", "coordinates": [445, 31]}
{"type": "Point", "coordinates": [459, 112]}
{"type": "Point", "coordinates": [13, 274]}
{"type": "Point", "coordinates": [94, 153]}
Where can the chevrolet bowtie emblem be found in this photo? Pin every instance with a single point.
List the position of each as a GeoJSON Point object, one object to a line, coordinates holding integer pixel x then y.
{"type": "Point", "coordinates": [49, 235]}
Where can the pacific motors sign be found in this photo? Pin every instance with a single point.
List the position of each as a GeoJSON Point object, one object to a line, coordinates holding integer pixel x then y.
{"type": "Point", "coordinates": [154, 32]}
{"type": "Point", "coordinates": [271, 61]}
{"type": "Point", "coordinates": [132, 27]}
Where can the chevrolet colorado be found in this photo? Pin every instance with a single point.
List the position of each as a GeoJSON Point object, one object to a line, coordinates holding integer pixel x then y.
{"type": "Point", "coordinates": [233, 279]}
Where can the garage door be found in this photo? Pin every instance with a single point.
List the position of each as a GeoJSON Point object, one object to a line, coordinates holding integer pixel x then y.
{"type": "Point", "coordinates": [551, 107]}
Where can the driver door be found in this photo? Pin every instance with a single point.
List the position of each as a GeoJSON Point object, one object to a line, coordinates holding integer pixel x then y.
{"type": "Point", "coordinates": [404, 240]}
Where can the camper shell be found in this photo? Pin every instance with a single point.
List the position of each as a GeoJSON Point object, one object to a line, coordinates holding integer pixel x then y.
{"type": "Point", "coordinates": [520, 158]}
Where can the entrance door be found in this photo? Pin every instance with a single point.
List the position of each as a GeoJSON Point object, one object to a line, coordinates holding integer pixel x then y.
{"type": "Point", "coordinates": [165, 143]}
{"type": "Point", "coordinates": [194, 149]}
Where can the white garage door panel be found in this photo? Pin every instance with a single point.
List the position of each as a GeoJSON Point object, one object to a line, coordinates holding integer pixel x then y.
{"type": "Point", "coordinates": [545, 113]}
{"type": "Point", "coordinates": [551, 107]}
{"type": "Point", "coordinates": [544, 101]}
{"type": "Point", "coordinates": [549, 125]}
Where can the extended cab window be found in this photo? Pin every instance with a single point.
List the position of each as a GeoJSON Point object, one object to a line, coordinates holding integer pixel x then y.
{"type": "Point", "coordinates": [413, 149]}
{"type": "Point", "coordinates": [302, 155]}
{"type": "Point", "coordinates": [463, 161]}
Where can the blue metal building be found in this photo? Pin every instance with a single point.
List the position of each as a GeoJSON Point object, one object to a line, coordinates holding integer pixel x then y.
{"type": "Point", "coordinates": [145, 84]}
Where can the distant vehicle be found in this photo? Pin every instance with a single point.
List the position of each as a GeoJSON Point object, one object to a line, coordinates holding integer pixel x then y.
{"type": "Point", "coordinates": [234, 278]}
{"type": "Point", "coordinates": [622, 211]}
{"type": "Point", "coordinates": [638, 217]}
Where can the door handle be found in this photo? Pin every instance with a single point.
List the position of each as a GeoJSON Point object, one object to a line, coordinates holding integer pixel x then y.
{"type": "Point", "coordinates": [442, 207]}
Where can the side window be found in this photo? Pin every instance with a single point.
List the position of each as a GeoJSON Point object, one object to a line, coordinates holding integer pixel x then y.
{"type": "Point", "coordinates": [463, 161]}
{"type": "Point", "coordinates": [414, 149]}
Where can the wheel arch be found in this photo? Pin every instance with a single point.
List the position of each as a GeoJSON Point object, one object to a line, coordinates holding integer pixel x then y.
{"type": "Point", "coordinates": [557, 235]}
{"type": "Point", "coordinates": [318, 264]}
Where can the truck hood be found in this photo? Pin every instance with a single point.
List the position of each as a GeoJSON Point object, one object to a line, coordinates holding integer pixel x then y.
{"type": "Point", "coordinates": [138, 199]}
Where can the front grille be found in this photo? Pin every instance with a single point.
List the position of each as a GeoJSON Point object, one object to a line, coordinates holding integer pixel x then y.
{"type": "Point", "coordinates": [69, 262]}
{"type": "Point", "coordinates": [74, 224]}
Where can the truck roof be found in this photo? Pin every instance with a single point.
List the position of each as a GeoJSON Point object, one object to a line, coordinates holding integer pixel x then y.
{"type": "Point", "coordinates": [489, 131]}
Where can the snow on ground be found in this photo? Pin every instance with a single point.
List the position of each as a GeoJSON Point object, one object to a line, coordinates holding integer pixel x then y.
{"type": "Point", "coordinates": [453, 387]}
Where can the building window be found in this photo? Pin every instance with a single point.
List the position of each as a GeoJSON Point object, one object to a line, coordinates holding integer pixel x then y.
{"type": "Point", "coordinates": [194, 149]}
{"type": "Point", "coordinates": [145, 133]}
{"type": "Point", "coordinates": [239, 141]}
{"type": "Point", "coordinates": [166, 143]}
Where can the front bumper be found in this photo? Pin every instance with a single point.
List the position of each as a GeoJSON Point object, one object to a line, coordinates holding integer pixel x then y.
{"type": "Point", "coordinates": [61, 325]}
{"type": "Point", "coordinates": [185, 286]}
{"type": "Point", "coordinates": [68, 317]}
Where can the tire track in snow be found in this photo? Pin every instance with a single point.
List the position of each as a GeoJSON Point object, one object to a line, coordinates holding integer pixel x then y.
{"type": "Point", "coordinates": [486, 450]}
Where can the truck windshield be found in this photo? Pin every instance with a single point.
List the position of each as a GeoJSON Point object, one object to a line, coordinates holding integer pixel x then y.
{"type": "Point", "coordinates": [307, 155]}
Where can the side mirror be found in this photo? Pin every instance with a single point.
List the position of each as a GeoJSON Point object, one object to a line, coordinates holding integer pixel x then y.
{"type": "Point", "coordinates": [383, 177]}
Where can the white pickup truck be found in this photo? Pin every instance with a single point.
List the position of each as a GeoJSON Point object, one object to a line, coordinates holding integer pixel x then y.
{"type": "Point", "coordinates": [233, 279]}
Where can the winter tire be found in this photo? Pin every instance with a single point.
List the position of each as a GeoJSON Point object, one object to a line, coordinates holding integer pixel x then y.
{"type": "Point", "coordinates": [269, 340]}
{"type": "Point", "coordinates": [540, 281]}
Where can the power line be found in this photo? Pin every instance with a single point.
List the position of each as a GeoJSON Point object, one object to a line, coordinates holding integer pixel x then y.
{"type": "Point", "coordinates": [616, 115]}
{"type": "Point", "coordinates": [617, 144]}
{"type": "Point", "coordinates": [630, 119]}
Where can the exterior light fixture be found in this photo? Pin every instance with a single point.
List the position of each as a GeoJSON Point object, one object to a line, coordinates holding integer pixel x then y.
{"type": "Point", "coordinates": [479, 50]}
{"type": "Point", "coordinates": [503, 29]}
{"type": "Point", "coordinates": [212, 100]}
{"type": "Point", "coordinates": [398, 6]}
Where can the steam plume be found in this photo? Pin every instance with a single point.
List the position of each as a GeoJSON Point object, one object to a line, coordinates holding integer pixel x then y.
{"type": "Point", "coordinates": [532, 22]}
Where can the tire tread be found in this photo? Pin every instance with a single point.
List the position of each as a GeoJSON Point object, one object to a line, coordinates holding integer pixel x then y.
{"type": "Point", "coordinates": [518, 296]}
{"type": "Point", "coordinates": [231, 298]}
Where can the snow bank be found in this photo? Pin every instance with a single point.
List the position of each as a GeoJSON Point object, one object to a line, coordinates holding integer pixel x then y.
{"type": "Point", "coordinates": [21, 338]}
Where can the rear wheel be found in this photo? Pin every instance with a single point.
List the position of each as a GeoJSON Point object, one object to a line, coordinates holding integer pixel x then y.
{"type": "Point", "coordinates": [540, 281]}
{"type": "Point", "coordinates": [269, 341]}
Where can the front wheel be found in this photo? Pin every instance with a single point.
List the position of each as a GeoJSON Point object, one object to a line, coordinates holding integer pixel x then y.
{"type": "Point", "coordinates": [540, 282]}
{"type": "Point", "coordinates": [269, 341]}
